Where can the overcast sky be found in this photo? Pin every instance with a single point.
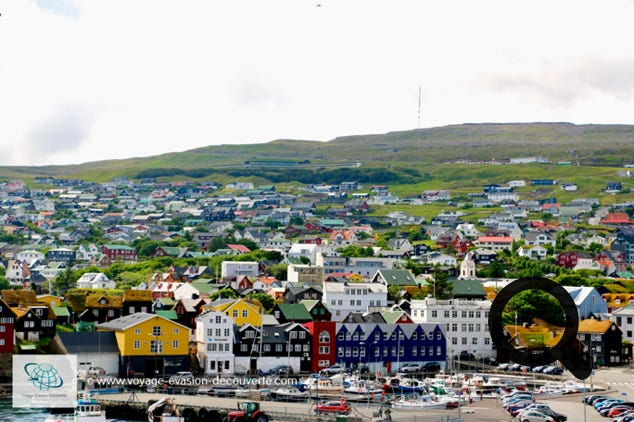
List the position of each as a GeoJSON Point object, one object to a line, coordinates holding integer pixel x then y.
{"type": "Point", "coordinates": [87, 80]}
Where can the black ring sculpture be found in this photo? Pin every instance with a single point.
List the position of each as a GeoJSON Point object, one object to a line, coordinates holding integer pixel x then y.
{"type": "Point", "coordinates": [571, 352]}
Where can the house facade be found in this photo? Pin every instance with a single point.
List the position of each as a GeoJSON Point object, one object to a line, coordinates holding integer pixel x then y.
{"type": "Point", "coordinates": [343, 298]}
{"type": "Point", "coordinates": [215, 341]}
{"type": "Point", "coordinates": [149, 344]}
{"type": "Point", "coordinates": [386, 347]}
{"type": "Point", "coordinates": [465, 323]}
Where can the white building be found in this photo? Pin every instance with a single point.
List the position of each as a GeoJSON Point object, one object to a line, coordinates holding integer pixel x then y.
{"type": "Point", "coordinates": [343, 298]}
{"type": "Point", "coordinates": [624, 318]}
{"type": "Point", "coordinates": [30, 256]}
{"type": "Point", "coordinates": [238, 268]}
{"type": "Point", "coordinates": [466, 323]}
{"type": "Point", "coordinates": [95, 281]}
{"type": "Point", "coordinates": [215, 338]}
{"type": "Point", "coordinates": [364, 266]}
{"type": "Point", "coordinates": [309, 250]}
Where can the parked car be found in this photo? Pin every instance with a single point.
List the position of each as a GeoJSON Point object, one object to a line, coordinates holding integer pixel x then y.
{"type": "Point", "coordinates": [333, 370]}
{"type": "Point", "coordinates": [431, 367]}
{"type": "Point", "coordinates": [411, 367]}
{"type": "Point", "coordinates": [539, 369]}
{"type": "Point", "coordinates": [553, 370]}
{"type": "Point", "coordinates": [490, 360]}
{"type": "Point", "coordinates": [181, 377]}
{"type": "Point", "coordinates": [503, 366]}
{"type": "Point", "coordinates": [280, 370]}
{"type": "Point", "coordinates": [337, 407]}
{"type": "Point", "coordinates": [465, 355]}
{"type": "Point", "coordinates": [535, 416]}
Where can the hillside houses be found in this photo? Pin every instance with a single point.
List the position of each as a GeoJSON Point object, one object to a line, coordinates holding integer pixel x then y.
{"type": "Point", "coordinates": [202, 241]}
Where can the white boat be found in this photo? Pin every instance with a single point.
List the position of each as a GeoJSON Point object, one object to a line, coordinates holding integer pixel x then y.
{"type": "Point", "coordinates": [170, 411]}
{"type": "Point", "coordinates": [289, 394]}
{"type": "Point", "coordinates": [420, 403]}
{"type": "Point", "coordinates": [87, 410]}
{"type": "Point", "coordinates": [319, 385]}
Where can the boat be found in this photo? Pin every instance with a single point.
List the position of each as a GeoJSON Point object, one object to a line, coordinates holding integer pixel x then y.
{"type": "Point", "coordinates": [320, 385]}
{"type": "Point", "coordinates": [289, 394]}
{"type": "Point", "coordinates": [419, 403]}
{"type": "Point", "coordinates": [87, 410]}
{"type": "Point", "coordinates": [361, 390]}
{"type": "Point", "coordinates": [402, 385]}
{"type": "Point", "coordinates": [170, 411]}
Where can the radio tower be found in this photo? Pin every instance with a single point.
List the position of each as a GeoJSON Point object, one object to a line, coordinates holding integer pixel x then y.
{"type": "Point", "coordinates": [419, 95]}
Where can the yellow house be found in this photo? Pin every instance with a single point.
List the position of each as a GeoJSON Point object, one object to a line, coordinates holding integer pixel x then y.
{"type": "Point", "coordinates": [149, 344]}
{"type": "Point", "coordinates": [242, 311]}
{"type": "Point", "coordinates": [51, 300]}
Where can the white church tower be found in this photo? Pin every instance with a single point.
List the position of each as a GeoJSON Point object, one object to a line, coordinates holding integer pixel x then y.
{"type": "Point", "coordinates": [467, 268]}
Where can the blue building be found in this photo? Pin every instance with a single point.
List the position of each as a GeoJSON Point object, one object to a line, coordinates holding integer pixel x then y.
{"type": "Point", "coordinates": [387, 347]}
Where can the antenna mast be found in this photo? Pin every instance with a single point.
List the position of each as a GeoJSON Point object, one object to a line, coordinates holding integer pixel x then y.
{"type": "Point", "coordinates": [419, 103]}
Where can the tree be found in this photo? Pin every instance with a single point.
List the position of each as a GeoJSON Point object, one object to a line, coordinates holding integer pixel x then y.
{"type": "Point", "coordinates": [224, 294]}
{"type": "Point", "coordinates": [64, 281]}
{"type": "Point", "coordinates": [266, 300]}
{"type": "Point", "coordinates": [442, 287]}
{"type": "Point", "coordinates": [279, 271]}
{"type": "Point", "coordinates": [532, 304]}
{"type": "Point", "coordinates": [394, 293]}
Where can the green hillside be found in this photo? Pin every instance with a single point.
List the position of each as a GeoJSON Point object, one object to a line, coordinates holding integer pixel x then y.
{"type": "Point", "coordinates": [411, 157]}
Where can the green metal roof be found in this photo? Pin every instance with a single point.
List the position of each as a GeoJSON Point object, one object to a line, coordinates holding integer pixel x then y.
{"type": "Point", "coordinates": [467, 288]}
{"type": "Point", "coordinates": [169, 314]}
{"type": "Point", "coordinates": [61, 311]}
{"type": "Point", "coordinates": [295, 311]}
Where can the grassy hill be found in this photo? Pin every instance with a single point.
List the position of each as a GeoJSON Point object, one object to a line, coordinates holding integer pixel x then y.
{"type": "Point", "coordinates": [427, 152]}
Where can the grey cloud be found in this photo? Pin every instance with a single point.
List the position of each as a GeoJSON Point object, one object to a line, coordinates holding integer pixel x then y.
{"type": "Point", "coordinates": [65, 129]}
{"type": "Point", "coordinates": [562, 85]}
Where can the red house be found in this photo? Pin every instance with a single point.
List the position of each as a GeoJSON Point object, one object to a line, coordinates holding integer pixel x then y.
{"type": "Point", "coordinates": [7, 327]}
{"type": "Point", "coordinates": [324, 347]}
{"type": "Point", "coordinates": [119, 253]}
{"type": "Point", "coordinates": [571, 258]}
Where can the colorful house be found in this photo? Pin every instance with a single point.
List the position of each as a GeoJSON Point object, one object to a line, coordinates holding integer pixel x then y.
{"type": "Point", "coordinates": [241, 311]}
{"type": "Point", "coordinates": [149, 344]}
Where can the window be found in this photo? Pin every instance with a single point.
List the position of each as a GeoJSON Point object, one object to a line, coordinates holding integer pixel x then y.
{"type": "Point", "coordinates": [438, 335]}
{"type": "Point", "coordinates": [234, 313]}
{"type": "Point", "coordinates": [175, 331]}
{"type": "Point", "coordinates": [414, 350]}
{"type": "Point", "coordinates": [210, 332]}
{"type": "Point", "coordinates": [464, 341]}
{"type": "Point", "coordinates": [324, 350]}
{"type": "Point", "coordinates": [156, 331]}
{"type": "Point", "coordinates": [110, 312]}
{"type": "Point", "coordinates": [454, 314]}
{"type": "Point", "coordinates": [446, 314]}
{"type": "Point", "coordinates": [245, 313]}
{"type": "Point", "coordinates": [487, 341]}
{"type": "Point", "coordinates": [430, 350]}
{"type": "Point", "coordinates": [137, 331]}
{"type": "Point", "coordinates": [474, 341]}
{"type": "Point", "coordinates": [218, 319]}
{"type": "Point", "coordinates": [470, 327]}
{"type": "Point", "coordinates": [463, 314]}
{"type": "Point", "coordinates": [137, 344]}
{"type": "Point", "coordinates": [324, 337]}
{"type": "Point", "coordinates": [2, 328]}
{"type": "Point", "coordinates": [422, 350]}
{"type": "Point", "coordinates": [243, 348]}
{"type": "Point", "coordinates": [278, 347]}
{"type": "Point", "coordinates": [175, 344]}
{"type": "Point", "coordinates": [434, 314]}
{"type": "Point", "coordinates": [454, 327]}
{"type": "Point", "coordinates": [438, 351]}
{"type": "Point", "coordinates": [266, 347]}
{"type": "Point", "coordinates": [340, 352]}
{"type": "Point", "coordinates": [341, 337]}
{"type": "Point", "coordinates": [227, 332]}
{"type": "Point", "coordinates": [156, 346]}
{"type": "Point", "coordinates": [454, 341]}
{"type": "Point", "coordinates": [414, 335]}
